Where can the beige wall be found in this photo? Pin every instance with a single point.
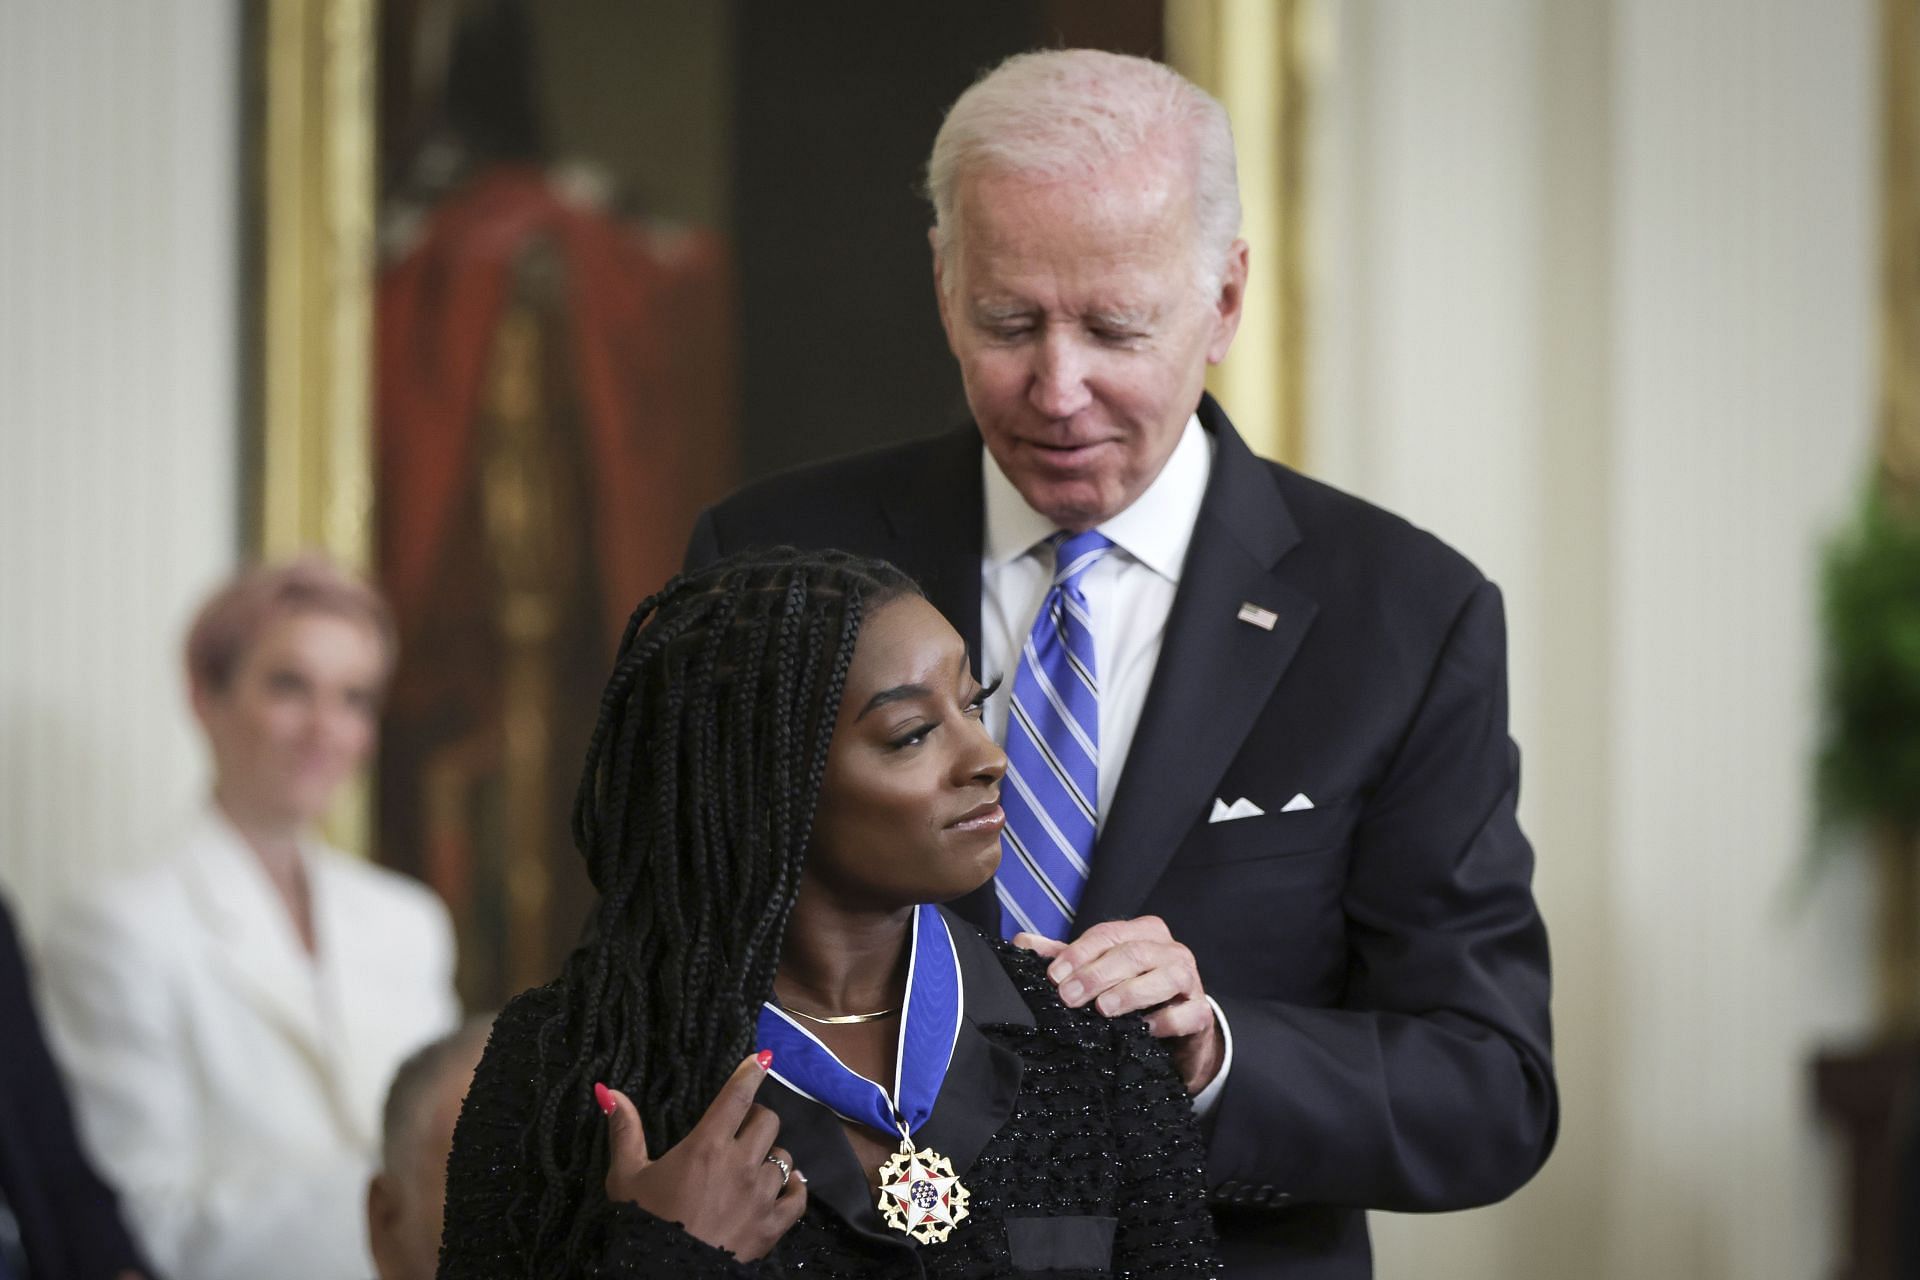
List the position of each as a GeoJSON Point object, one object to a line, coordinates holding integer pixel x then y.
{"type": "Point", "coordinates": [117, 390]}
{"type": "Point", "coordinates": [1594, 303]}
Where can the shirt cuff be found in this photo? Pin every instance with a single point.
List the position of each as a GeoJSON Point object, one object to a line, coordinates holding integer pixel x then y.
{"type": "Point", "coordinates": [1208, 1098]}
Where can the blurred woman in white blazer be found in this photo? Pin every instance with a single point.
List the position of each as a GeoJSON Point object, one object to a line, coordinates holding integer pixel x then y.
{"type": "Point", "coordinates": [231, 1017]}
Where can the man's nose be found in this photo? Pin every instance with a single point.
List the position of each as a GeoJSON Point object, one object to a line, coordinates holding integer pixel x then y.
{"type": "Point", "coordinates": [1059, 388]}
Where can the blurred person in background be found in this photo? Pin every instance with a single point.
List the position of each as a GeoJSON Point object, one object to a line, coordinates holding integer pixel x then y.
{"type": "Point", "coordinates": [229, 1019]}
{"type": "Point", "coordinates": [407, 1198]}
{"type": "Point", "coordinates": [58, 1220]}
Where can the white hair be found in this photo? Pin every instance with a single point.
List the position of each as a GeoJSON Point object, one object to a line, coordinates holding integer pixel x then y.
{"type": "Point", "coordinates": [1070, 113]}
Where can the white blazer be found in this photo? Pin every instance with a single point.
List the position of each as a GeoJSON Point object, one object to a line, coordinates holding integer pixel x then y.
{"type": "Point", "coordinates": [229, 1083]}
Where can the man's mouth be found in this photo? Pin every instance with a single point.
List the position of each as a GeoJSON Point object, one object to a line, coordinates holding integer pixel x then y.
{"type": "Point", "coordinates": [1073, 451]}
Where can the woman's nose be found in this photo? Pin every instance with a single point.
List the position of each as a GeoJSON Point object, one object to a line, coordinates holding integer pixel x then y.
{"type": "Point", "coordinates": [990, 762]}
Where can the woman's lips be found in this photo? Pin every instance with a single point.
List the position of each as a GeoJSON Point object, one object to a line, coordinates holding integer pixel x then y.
{"type": "Point", "coordinates": [988, 817]}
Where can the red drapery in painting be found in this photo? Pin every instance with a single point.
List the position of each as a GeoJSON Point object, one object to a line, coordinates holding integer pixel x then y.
{"type": "Point", "coordinates": [635, 408]}
{"type": "Point", "coordinates": [648, 378]}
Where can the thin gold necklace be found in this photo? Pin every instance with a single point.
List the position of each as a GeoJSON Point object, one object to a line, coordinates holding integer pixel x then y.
{"type": "Point", "coordinates": [845, 1019]}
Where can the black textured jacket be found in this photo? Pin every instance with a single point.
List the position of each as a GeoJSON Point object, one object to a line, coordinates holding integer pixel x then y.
{"type": "Point", "coordinates": [1070, 1131]}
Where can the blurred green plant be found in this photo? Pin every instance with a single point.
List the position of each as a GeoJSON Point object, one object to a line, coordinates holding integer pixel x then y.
{"type": "Point", "coordinates": [1869, 765]}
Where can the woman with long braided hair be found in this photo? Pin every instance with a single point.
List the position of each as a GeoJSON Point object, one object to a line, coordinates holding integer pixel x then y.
{"type": "Point", "coordinates": [787, 769]}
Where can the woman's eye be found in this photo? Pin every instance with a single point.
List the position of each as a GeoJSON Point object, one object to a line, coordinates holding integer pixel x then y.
{"type": "Point", "coordinates": [914, 736]}
{"type": "Point", "coordinates": [978, 706]}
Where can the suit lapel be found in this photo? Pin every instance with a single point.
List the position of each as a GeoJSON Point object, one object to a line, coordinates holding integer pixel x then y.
{"type": "Point", "coordinates": [357, 999]}
{"type": "Point", "coordinates": [253, 940]}
{"type": "Point", "coordinates": [1214, 675]}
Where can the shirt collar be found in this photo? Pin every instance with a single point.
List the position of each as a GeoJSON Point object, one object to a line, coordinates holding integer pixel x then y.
{"type": "Point", "coordinates": [1155, 530]}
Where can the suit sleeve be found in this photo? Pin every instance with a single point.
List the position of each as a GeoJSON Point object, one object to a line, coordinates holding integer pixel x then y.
{"type": "Point", "coordinates": [111, 1005]}
{"type": "Point", "coordinates": [1431, 1086]}
{"type": "Point", "coordinates": [84, 1211]}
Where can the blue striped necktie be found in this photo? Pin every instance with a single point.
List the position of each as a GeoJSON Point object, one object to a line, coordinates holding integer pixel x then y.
{"type": "Point", "coordinates": [1052, 790]}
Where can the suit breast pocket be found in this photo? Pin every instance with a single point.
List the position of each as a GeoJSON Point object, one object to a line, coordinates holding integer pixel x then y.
{"type": "Point", "coordinates": [1271, 835]}
{"type": "Point", "coordinates": [1067, 1242]}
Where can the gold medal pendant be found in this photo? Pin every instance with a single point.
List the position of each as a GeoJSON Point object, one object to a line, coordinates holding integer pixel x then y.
{"type": "Point", "coordinates": [920, 1196]}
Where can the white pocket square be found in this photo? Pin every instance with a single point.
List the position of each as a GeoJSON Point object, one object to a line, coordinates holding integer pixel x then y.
{"type": "Point", "coordinates": [1241, 808]}
{"type": "Point", "coordinates": [1296, 804]}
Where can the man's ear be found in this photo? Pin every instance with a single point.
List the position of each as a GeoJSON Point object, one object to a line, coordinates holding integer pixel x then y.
{"type": "Point", "coordinates": [200, 699]}
{"type": "Point", "coordinates": [383, 1226]}
{"type": "Point", "coordinates": [940, 283]}
{"type": "Point", "coordinates": [1230, 303]}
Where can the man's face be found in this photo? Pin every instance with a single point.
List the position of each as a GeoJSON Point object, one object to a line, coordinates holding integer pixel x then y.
{"type": "Point", "coordinates": [1081, 328]}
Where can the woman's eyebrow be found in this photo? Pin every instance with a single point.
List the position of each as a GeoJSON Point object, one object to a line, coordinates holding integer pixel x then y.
{"type": "Point", "coordinates": [899, 693]}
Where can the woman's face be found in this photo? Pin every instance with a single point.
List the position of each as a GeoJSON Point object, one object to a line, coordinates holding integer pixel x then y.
{"type": "Point", "coordinates": [297, 717]}
{"type": "Point", "coordinates": [909, 806]}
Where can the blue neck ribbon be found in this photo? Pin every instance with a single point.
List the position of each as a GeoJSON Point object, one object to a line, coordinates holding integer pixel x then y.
{"type": "Point", "coordinates": [929, 1028]}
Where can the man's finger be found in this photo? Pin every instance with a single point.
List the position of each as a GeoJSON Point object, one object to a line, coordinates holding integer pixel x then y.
{"type": "Point", "coordinates": [1125, 962]}
{"type": "Point", "coordinates": [1102, 938]}
{"type": "Point", "coordinates": [1143, 991]}
{"type": "Point", "coordinates": [729, 1107]}
{"type": "Point", "coordinates": [1180, 1019]}
{"type": "Point", "coordinates": [1039, 944]}
{"type": "Point", "coordinates": [626, 1137]}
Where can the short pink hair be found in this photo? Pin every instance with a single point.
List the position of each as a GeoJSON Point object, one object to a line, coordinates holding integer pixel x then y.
{"type": "Point", "coordinates": [232, 619]}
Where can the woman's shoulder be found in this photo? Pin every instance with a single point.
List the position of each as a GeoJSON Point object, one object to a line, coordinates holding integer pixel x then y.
{"type": "Point", "coordinates": [525, 1018]}
{"type": "Point", "coordinates": [506, 1084]}
{"type": "Point", "coordinates": [1027, 970]}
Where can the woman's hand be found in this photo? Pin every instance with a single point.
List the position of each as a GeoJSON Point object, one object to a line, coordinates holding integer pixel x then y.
{"type": "Point", "coordinates": [725, 1182]}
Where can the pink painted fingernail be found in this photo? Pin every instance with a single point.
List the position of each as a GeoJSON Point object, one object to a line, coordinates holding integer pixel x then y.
{"type": "Point", "coordinates": [603, 1096]}
{"type": "Point", "coordinates": [765, 1059]}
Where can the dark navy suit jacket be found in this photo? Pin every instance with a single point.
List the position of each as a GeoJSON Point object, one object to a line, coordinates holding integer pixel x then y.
{"type": "Point", "coordinates": [69, 1219]}
{"type": "Point", "coordinates": [1379, 955]}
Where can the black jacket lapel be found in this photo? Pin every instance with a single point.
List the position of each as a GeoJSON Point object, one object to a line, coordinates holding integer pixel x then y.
{"type": "Point", "coordinates": [976, 1098]}
{"type": "Point", "coordinates": [984, 1080]}
{"type": "Point", "coordinates": [1214, 675]}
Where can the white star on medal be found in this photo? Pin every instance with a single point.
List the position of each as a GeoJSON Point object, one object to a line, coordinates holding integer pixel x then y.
{"type": "Point", "coordinates": [920, 1196]}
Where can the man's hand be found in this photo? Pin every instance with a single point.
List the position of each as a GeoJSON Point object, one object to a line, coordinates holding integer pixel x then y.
{"type": "Point", "coordinates": [1131, 966]}
{"type": "Point", "coordinates": [726, 1182]}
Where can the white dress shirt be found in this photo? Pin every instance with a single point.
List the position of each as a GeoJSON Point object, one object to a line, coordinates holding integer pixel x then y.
{"type": "Point", "coordinates": [1129, 593]}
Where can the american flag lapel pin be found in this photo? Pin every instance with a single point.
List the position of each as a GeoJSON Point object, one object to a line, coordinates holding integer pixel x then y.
{"type": "Point", "coordinates": [1261, 618]}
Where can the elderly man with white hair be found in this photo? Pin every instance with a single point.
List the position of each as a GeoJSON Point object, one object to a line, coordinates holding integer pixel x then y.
{"type": "Point", "coordinates": [1260, 786]}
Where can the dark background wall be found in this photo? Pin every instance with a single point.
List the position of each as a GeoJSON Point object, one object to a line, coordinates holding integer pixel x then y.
{"type": "Point", "coordinates": [835, 108]}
